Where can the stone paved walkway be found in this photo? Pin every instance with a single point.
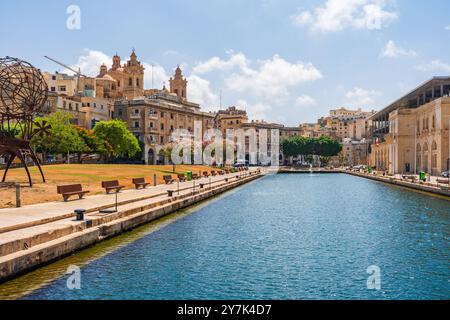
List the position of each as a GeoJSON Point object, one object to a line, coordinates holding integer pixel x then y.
{"type": "Point", "coordinates": [33, 215]}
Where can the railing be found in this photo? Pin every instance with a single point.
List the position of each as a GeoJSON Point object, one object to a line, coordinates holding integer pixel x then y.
{"type": "Point", "coordinates": [135, 115]}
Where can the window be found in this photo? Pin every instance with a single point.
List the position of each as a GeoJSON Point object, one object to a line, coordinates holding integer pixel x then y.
{"type": "Point", "coordinates": [162, 126]}
{"type": "Point", "coordinates": [151, 124]}
{"type": "Point", "coordinates": [162, 114]}
{"type": "Point", "coordinates": [70, 106]}
{"type": "Point", "coordinates": [137, 82]}
{"type": "Point", "coordinates": [136, 111]}
{"type": "Point", "coordinates": [120, 112]}
{"type": "Point", "coordinates": [130, 82]}
{"type": "Point", "coordinates": [118, 84]}
{"type": "Point", "coordinates": [171, 116]}
{"type": "Point", "coordinates": [53, 77]}
{"type": "Point", "coordinates": [136, 124]}
{"type": "Point", "coordinates": [62, 88]}
{"type": "Point", "coordinates": [52, 89]}
{"type": "Point", "coordinates": [95, 105]}
{"type": "Point", "coordinates": [433, 124]}
{"type": "Point", "coordinates": [161, 139]}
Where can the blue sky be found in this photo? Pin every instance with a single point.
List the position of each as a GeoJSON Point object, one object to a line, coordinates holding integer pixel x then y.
{"type": "Point", "coordinates": [281, 60]}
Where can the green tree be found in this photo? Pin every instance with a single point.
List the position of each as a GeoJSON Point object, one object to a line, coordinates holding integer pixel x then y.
{"type": "Point", "coordinates": [324, 147]}
{"type": "Point", "coordinates": [115, 139]}
{"type": "Point", "coordinates": [63, 137]}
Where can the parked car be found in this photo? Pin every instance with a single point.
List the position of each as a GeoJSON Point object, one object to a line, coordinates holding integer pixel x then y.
{"type": "Point", "coordinates": [241, 163]}
{"type": "Point", "coordinates": [445, 174]}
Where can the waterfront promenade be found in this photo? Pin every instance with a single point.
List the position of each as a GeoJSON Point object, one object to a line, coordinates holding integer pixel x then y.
{"type": "Point", "coordinates": [32, 215]}
{"type": "Point", "coordinates": [37, 234]}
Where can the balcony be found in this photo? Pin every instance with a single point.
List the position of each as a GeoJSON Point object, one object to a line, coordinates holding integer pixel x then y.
{"type": "Point", "coordinates": [153, 116]}
{"type": "Point", "coordinates": [135, 115]}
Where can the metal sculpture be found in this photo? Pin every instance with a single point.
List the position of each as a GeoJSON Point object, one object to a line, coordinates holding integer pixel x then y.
{"type": "Point", "coordinates": [23, 95]}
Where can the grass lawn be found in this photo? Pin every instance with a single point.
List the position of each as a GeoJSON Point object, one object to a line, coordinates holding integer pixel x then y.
{"type": "Point", "coordinates": [89, 175]}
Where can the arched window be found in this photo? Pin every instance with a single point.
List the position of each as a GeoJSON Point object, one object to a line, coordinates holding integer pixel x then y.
{"type": "Point", "coordinates": [137, 82]}
{"type": "Point", "coordinates": [433, 122]}
{"type": "Point", "coordinates": [419, 148]}
{"type": "Point", "coordinates": [434, 145]}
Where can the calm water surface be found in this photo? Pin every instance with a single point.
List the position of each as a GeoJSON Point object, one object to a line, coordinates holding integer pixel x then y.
{"type": "Point", "coordinates": [286, 236]}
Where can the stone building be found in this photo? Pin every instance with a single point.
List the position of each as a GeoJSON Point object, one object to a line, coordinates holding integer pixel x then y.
{"type": "Point", "coordinates": [354, 152]}
{"type": "Point", "coordinates": [347, 124]}
{"type": "Point", "coordinates": [230, 118]}
{"type": "Point", "coordinates": [70, 105]}
{"type": "Point", "coordinates": [412, 134]}
{"type": "Point", "coordinates": [153, 118]}
{"type": "Point", "coordinates": [127, 79]}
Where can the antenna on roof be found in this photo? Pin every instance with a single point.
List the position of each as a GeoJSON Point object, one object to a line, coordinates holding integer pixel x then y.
{"type": "Point", "coordinates": [153, 87]}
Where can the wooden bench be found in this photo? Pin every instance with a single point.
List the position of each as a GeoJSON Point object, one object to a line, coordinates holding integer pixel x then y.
{"type": "Point", "coordinates": [111, 186]}
{"type": "Point", "coordinates": [140, 183]}
{"type": "Point", "coordinates": [168, 179]}
{"type": "Point", "coordinates": [181, 177]}
{"type": "Point", "coordinates": [442, 180]}
{"type": "Point", "coordinates": [71, 190]}
{"type": "Point", "coordinates": [205, 174]}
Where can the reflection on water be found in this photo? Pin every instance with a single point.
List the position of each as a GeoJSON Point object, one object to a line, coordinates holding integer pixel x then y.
{"type": "Point", "coordinates": [283, 237]}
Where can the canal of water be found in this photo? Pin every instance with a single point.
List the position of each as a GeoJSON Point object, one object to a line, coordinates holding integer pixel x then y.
{"type": "Point", "coordinates": [286, 236]}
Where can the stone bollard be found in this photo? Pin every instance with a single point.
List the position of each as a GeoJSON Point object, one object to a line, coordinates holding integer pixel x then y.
{"type": "Point", "coordinates": [18, 196]}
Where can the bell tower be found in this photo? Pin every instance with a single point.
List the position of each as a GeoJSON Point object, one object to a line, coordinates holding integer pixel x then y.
{"type": "Point", "coordinates": [133, 78]}
{"type": "Point", "coordinates": [178, 84]}
{"type": "Point", "coordinates": [116, 62]}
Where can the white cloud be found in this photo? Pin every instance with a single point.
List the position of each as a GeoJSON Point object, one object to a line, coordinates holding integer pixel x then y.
{"type": "Point", "coordinates": [199, 91]}
{"type": "Point", "coordinates": [159, 76]}
{"type": "Point", "coordinates": [236, 60]}
{"type": "Point", "coordinates": [305, 101]}
{"type": "Point", "coordinates": [392, 50]}
{"type": "Point", "coordinates": [337, 15]}
{"type": "Point", "coordinates": [447, 28]}
{"type": "Point", "coordinates": [255, 111]}
{"type": "Point", "coordinates": [273, 77]}
{"type": "Point", "coordinates": [90, 62]}
{"type": "Point", "coordinates": [359, 97]}
{"type": "Point", "coordinates": [434, 66]}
